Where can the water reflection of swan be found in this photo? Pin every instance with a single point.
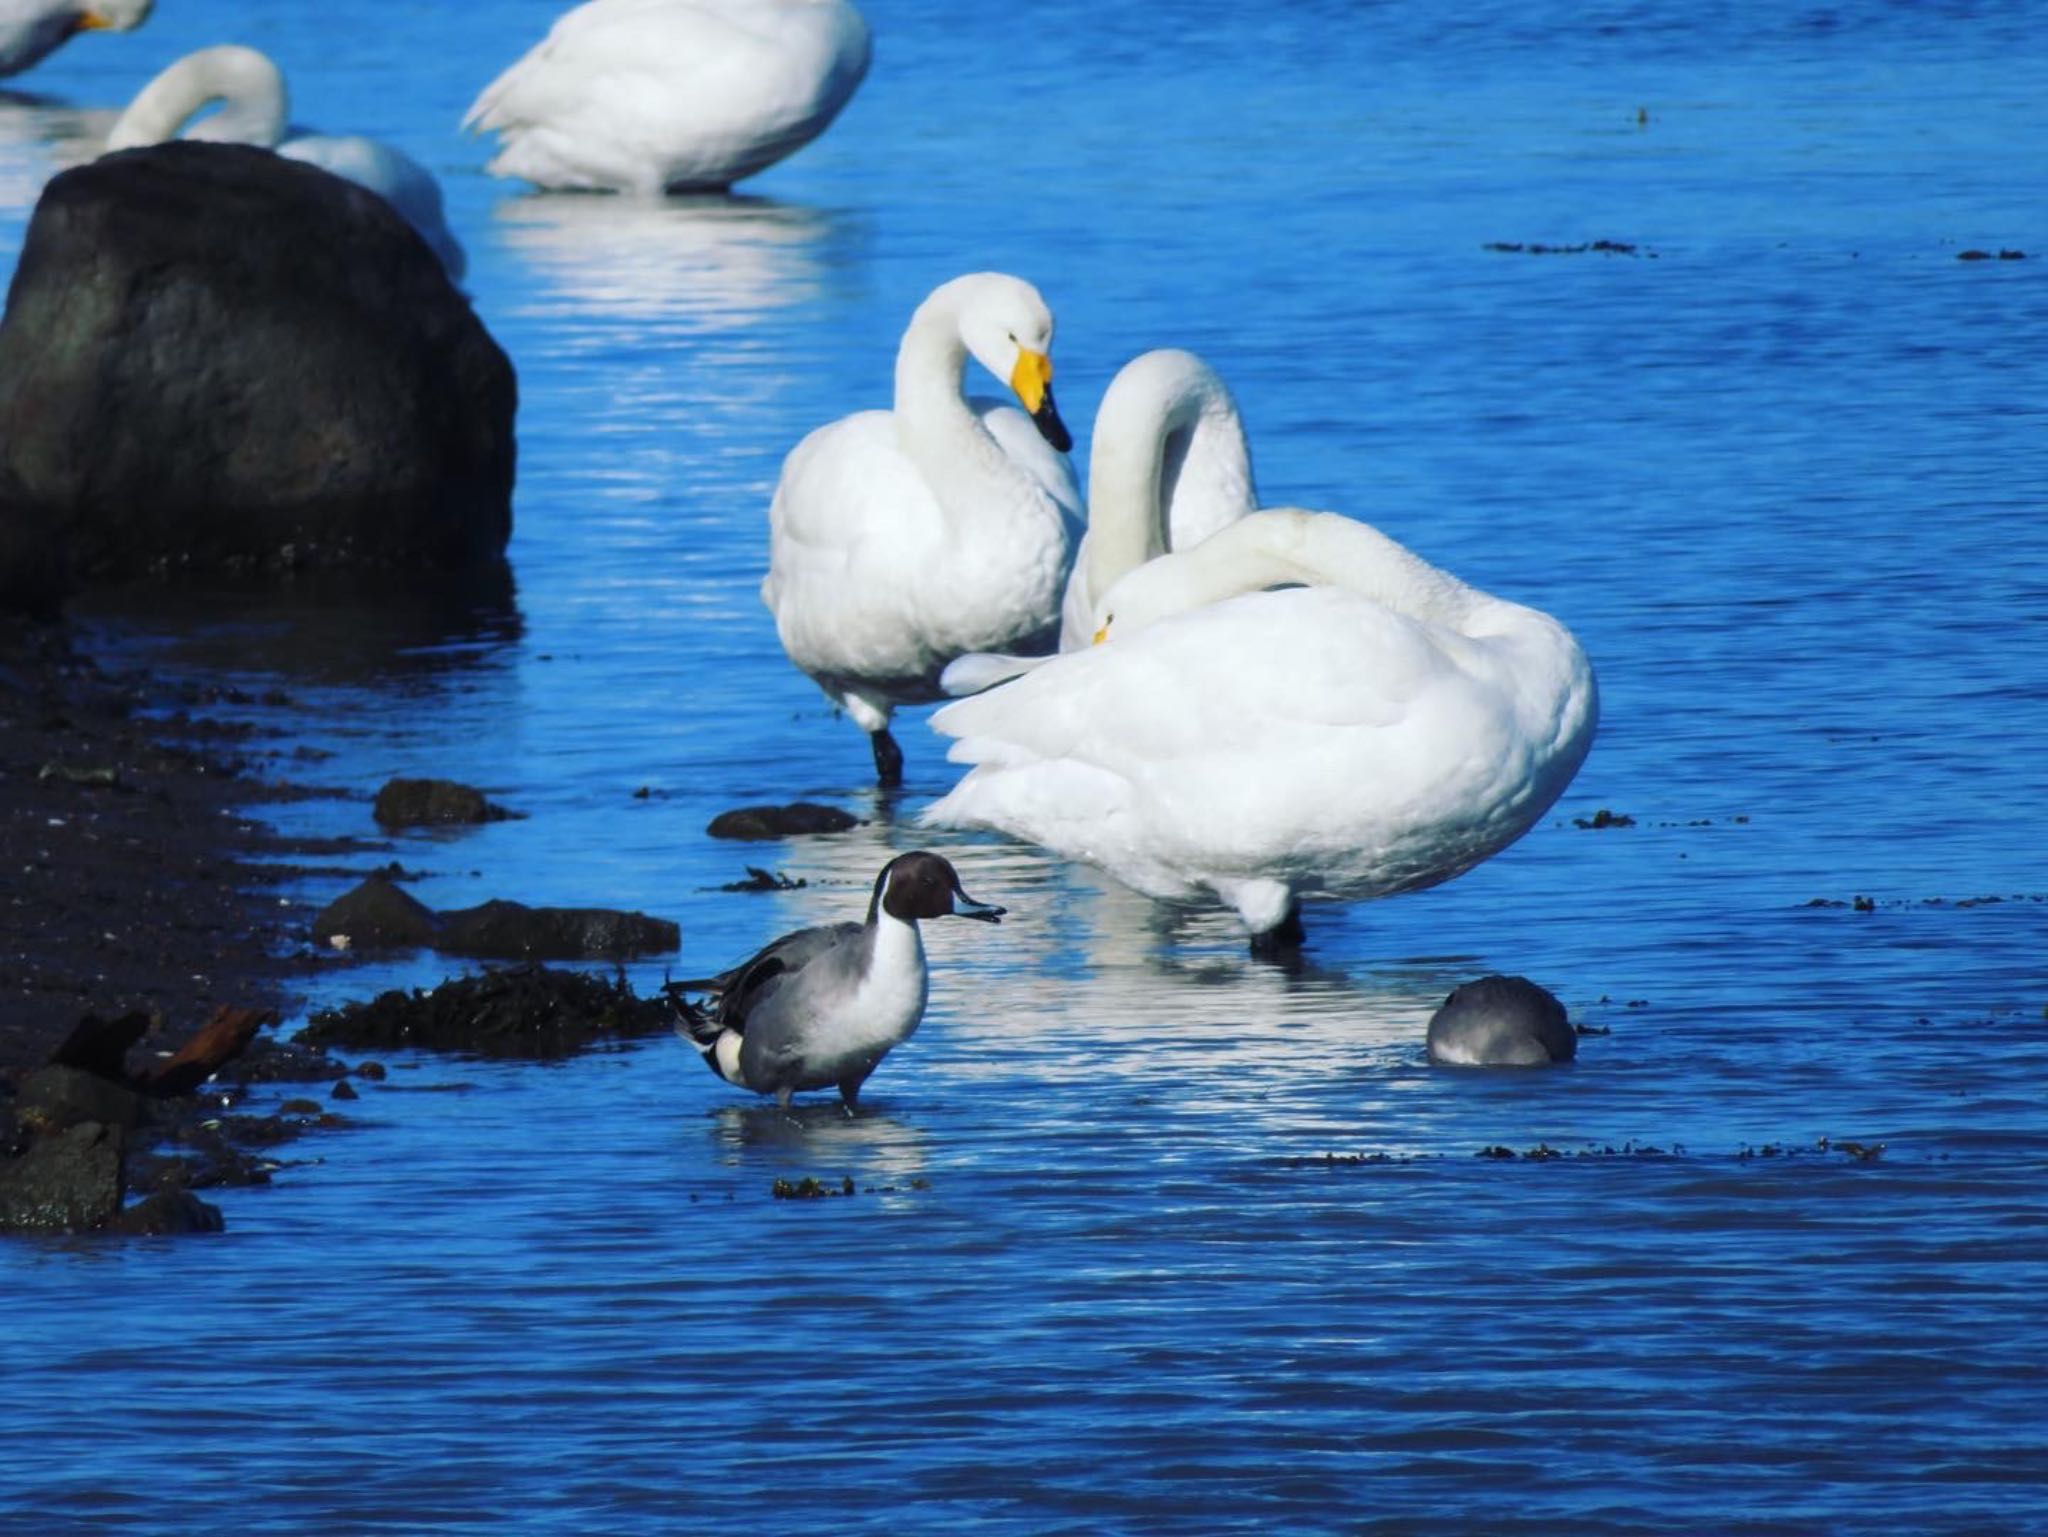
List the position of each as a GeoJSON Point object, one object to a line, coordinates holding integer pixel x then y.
{"type": "Point", "coordinates": [717, 262]}
{"type": "Point", "coordinates": [1089, 980]}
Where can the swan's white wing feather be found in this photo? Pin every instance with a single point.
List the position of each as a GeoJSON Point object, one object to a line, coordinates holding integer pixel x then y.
{"type": "Point", "coordinates": [1307, 734]}
{"type": "Point", "coordinates": [866, 578]}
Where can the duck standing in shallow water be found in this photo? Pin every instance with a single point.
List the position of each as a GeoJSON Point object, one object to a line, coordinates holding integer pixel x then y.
{"type": "Point", "coordinates": [821, 1007]}
{"type": "Point", "coordinates": [901, 539]}
{"type": "Point", "coordinates": [1296, 707]}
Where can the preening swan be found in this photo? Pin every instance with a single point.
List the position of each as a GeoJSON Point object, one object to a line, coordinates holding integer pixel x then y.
{"type": "Point", "coordinates": [650, 96]}
{"type": "Point", "coordinates": [901, 539]}
{"type": "Point", "coordinates": [250, 90]}
{"type": "Point", "coordinates": [1377, 728]}
{"type": "Point", "coordinates": [1168, 466]}
{"type": "Point", "coordinates": [32, 30]}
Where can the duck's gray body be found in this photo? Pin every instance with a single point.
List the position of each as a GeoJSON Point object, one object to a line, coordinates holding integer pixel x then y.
{"type": "Point", "coordinates": [821, 1007]}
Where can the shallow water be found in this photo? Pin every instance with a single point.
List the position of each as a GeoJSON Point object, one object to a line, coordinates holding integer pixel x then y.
{"type": "Point", "coordinates": [1150, 1237]}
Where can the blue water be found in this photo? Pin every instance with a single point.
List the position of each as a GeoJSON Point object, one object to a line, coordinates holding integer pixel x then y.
{"type": "Point", "coordinates": [1149, 1237]}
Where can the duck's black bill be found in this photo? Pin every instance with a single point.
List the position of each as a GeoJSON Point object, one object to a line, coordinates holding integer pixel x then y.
{"type": "Point", "coordinates": [1047, 419]}
{"type": "Point", "coordinates": [965, 906]}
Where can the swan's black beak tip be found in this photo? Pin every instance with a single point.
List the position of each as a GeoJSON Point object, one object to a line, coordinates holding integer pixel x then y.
{"type": "Point", "coordinates": [1047, 420]}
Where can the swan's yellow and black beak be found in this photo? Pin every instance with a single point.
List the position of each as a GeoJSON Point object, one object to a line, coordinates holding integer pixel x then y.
{"type": "Point", "coordinates": [93, 21]}
{"type": "Point", "coordinates": [1032, 380]}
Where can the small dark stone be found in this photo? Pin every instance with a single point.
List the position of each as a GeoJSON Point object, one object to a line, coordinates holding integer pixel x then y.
{"type": "Point", "coordinates": [512, 931]}
{"type": "Point", "coordinates": [764, 880]}
{"type": "Point", "coordinates": [799, 818]}
{"type": "Point", "coordinates": [55, 1097]}
{"type": "Point", "coordinates": [345, 1090]}
{"type": "Point", "coordinates": [68, 1182]}
{"type": "Point", "coordinates": [433, 803]}
{"type": "Point", "coordinates": [100, 1046]}
{"type": "Point", "coordinates": [1501, 1021]}
{"type": "Point", "coordinates": [166, 1213]}
{"type": "Point", "coordinates": [376, 915]}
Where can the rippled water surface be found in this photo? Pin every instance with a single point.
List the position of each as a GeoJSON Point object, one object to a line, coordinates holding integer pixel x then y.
{"type": "Point", "coordinates": [1150, 1237]}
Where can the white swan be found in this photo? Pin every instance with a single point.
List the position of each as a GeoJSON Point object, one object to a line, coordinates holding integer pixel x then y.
{"type": "Point", "coordinates": [1168, 466]}
{"type": "Point", "coordinates": [1377, 729]}
{"type": "Point", "coordinates": [901, 539]}
{"type": "Point", "coordinates": [251, 92]}
{"type": "Point", "coordinates": [650, 96]}
{"type": "Point", "coordinates": [32, 30]}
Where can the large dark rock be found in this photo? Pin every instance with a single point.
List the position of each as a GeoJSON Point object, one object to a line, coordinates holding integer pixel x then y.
{"type": "Point", "coordinates": [67, 1182]}
{"type": "Point", "coordinates": [216, 358]}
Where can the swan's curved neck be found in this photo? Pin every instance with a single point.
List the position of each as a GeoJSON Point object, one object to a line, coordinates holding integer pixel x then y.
{"type": "Point", "coordinates": [246, 84]}
{"type": "Point", "coordinates": [1287, 546]}
{"type": "Point", "coordinates": [936, 426]}
{"type": "Point", "coordinates": [1169, 466]}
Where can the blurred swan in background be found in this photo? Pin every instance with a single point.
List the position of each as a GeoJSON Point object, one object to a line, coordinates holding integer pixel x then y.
{"type": "Point", "coordinates": [901, 539]}
{"type": "Point", "coordinates": [650, 96]}
{"type": "Point", "coordinates": [32, 30]}
{"type": "Point", "coordinates": [1168, 466]}
{"type": "Point", "coordinates": [250, 91]}
{"type": "Point", "coordinates": [1297, 706]}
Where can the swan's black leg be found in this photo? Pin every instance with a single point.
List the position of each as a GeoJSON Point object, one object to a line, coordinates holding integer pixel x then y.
{"type": "Point", "coordinates": [1281, 941]}
{"type": "Point", "coordinates": [888, 759]}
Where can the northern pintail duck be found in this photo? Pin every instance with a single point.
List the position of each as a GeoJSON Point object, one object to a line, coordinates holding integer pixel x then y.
{"type": "Point", "coordinates": [822, 1006]}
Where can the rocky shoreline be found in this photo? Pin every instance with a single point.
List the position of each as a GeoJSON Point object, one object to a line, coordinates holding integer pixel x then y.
{"type": "Point", "coordinates": [148, 949]}
{"type": "Point", "coordinates": [143, 927]}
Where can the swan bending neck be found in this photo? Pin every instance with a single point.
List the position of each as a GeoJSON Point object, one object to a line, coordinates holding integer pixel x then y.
{"type": "Point", "coordinates": [247, 85]}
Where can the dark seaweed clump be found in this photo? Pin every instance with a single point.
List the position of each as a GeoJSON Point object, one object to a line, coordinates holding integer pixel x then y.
{"type": "Point", "coordinates": [518, 1011]}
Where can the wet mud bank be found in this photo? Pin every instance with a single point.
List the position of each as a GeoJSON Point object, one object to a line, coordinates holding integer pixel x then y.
{"type": "Point", "coordinates": [143, 946]}
{"type": "Point", "coordinates": [149, 949]}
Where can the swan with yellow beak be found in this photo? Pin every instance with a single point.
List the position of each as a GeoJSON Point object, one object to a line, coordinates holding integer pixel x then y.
{"type": "Point", "coordinates": [901, 539]}
{"type": "Point", "coordinates": [32, 30]}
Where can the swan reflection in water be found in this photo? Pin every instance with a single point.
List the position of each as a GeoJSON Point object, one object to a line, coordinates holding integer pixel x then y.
{"type": "Point", "coordinates": [717, 262]}
{"type": "Point", "coordinates": [40, 136]}
{"type": "Point", "coordinates": [1088, 985]}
